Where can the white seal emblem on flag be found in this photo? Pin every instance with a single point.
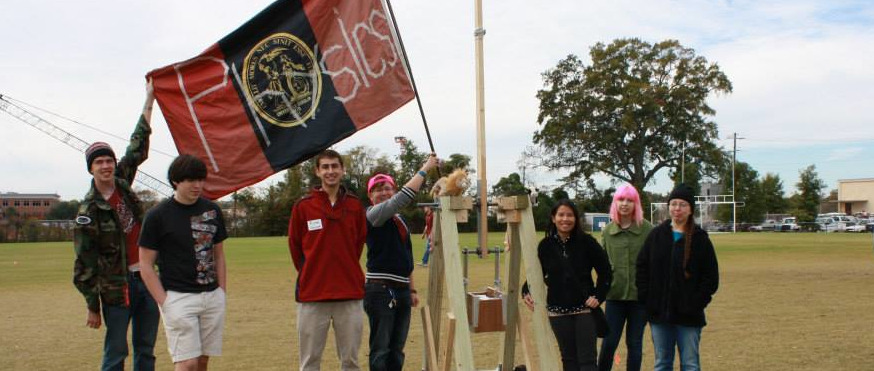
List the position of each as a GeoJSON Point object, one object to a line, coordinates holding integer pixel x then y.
{"type": "Point", "coordinates": [282, 80]}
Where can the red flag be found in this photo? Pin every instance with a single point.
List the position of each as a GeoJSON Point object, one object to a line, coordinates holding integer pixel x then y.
{"type": "Point", "coordinates": [295, 79]}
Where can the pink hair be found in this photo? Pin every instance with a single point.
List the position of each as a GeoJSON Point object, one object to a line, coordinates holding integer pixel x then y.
{"type": "Point", "coordinates": [627, 191]}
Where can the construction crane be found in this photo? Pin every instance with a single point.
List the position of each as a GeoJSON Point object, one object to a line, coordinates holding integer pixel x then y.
{"type": "Point", "coordinates": [73, 141]}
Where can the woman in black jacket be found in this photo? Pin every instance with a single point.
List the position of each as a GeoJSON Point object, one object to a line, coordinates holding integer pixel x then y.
{"type": "Point", "coordinates": [677, 275]}
{"type": "Point", "coordinates": [567, 255]}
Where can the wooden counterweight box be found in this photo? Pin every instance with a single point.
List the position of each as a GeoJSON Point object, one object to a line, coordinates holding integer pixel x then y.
{"type": "Point", "coordinates": [485, 310]}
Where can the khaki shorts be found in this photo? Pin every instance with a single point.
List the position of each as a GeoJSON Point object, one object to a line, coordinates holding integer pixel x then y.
{"type": "Point", "coordinates": [193, 323]}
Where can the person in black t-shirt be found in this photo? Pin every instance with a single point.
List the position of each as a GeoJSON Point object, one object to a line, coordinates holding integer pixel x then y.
{"type": "Point", "coordinates": [184, 235]}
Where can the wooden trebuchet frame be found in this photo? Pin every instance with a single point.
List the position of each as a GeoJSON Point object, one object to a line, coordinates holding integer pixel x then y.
{"type": "Point", "coordinates": [445, 270]}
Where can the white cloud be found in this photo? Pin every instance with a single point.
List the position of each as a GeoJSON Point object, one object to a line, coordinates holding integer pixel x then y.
{"type": "Point", "coordinates": [844, 153]}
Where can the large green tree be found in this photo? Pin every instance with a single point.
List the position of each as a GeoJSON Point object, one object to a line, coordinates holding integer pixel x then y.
{"type": "Point", "coordinates": [690, 174]}
{"type": "Point", "coordinates": [64, 210]}
{"type": "Point", "coordinates": [511, 185]}
{"type": "Point", "coordinates": [411, 161]}
{"type": "Point", "coordinates": [806, 201]}
{"type": "Point", "coordinates": [455, 161]}
{"type": "Point", "coordinates": [629, 112]}
{"type": "Point", "coordinates": [773, 197]}
{"type": "Point", "coordinates": [748, 189]}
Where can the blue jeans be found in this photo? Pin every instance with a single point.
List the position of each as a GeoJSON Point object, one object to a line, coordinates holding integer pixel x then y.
{"type": "Point", "coordinates": [143, 317]}
{"type": "Point", "coordinates": [667, 337]}
{"type": "Point", "coordinates": [388, 311]}
{"type": "Point", "coordinates": [427, 250]}
{"type": "Point", "coordinates": [631, 315]}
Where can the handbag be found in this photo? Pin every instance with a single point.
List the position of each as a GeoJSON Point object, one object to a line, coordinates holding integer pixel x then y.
{"type": "Point", "coordinates": [601, 326]}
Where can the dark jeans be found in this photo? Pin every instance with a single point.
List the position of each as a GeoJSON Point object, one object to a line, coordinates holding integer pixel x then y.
{"type": "Point", "coordinates": [388, 311]}
{"type": "Point", "coordinates": [631, 315]}
{"type": "Point", "coordinates": [577, 341]}
{"type": "Point", "coordinates": [142, 316]}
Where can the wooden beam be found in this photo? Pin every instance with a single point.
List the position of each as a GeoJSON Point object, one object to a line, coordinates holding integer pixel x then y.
{"type": "Point", "coordinates": [455, 285]}
{"type": "Point", "coordinates": [450, 343]}
{"type": "Point", "coordinates": [431, 354]}
{"type": "Point", "coordinates": [543, 337]}
{"type": "Point", "coordinates": [513, 203]}
{"type": "Point", "coordinates": [527, 347]}
{"type": "Point", "coordinates": [436, 281]}
{"type": "Point", "coordinates": [511, 296]}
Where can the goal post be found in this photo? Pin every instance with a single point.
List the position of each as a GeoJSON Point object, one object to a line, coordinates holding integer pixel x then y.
{"type": "Point", "coordinates": [705, 210]}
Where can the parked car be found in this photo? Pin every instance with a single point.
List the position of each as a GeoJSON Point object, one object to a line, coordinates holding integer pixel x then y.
{"type": "Point", "coordinates": [716, 226]}
{"type": "Point", "coordinates": [856, 227]}
{"type": "Point", "coordinates": [826, 224]}
{"type": "Point", "coordinates": [838, 222]}
{"type": "Point", "coordinates": [767, 225]}
{"type": "Point", "coordinates": [789, 225]}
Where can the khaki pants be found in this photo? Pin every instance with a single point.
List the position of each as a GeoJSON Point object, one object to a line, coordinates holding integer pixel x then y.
{"type": "Point", "coordinates": [313, 320]}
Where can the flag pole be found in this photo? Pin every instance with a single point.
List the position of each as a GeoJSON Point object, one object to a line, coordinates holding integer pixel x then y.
{"type": "Point", "coordinates": [412, 79]}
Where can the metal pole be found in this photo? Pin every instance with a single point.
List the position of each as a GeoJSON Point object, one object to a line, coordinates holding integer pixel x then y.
{"type": "Point", "coordinates": [412, 80]}
{"type": "Point", "coordinates": [498, 268]}
{"type": "Point", "coordinates": [683, 164]}
{"type": "Point", "coordinates": [733, 185]}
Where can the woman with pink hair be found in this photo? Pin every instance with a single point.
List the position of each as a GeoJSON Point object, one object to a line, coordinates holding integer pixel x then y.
{"type": "Point", "coordinates": [623, 239]}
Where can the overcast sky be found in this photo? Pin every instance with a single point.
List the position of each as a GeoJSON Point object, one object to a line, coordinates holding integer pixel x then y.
{"type": "Point", "coordinates": [802, 75]}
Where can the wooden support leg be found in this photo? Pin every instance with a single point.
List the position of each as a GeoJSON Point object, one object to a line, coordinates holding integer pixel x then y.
{"type": "Point", "coordinates": [463, 352]}
{"type": "Point", "coordinates": [511, 295]}
{"type": "Point", "coordinates": [436, 282]}
{"type": "Point", "coordinates": [429, 339]}
{"type": "Point", "coordinates": [450, 343]}
{"type": "Point", "coordinates": [527, 347]}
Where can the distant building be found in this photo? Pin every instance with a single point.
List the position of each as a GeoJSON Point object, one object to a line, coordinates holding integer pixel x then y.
{"type": "Point", "coordinates": [597, 221]}
{"type": "Point", "coordinates": [28, 205]}
{"type": "Point", "coordinates": [855, 196]}
{"type": "Point", "coordinates": [711, 189]}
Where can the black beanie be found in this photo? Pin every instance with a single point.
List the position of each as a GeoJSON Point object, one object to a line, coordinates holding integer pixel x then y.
{"type": "Point", "coordinates": [685, 193]}
{"type": "Point", "coordinates": [96, 150]}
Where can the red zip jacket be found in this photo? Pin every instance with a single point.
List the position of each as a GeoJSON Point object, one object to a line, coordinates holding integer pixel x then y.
{"type": "Point", "coordinates": [326, 243]}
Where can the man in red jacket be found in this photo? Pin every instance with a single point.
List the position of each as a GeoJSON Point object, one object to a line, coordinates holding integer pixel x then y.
{"type": "Point", "coordinates": [326, 235]}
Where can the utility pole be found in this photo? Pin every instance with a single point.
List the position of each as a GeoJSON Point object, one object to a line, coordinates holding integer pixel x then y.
{"type": "Point", "coordinates": [683, 164]}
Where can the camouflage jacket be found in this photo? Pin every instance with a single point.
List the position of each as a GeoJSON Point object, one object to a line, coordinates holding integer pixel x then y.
{"type": "Point", "coordinates": [100, 270]}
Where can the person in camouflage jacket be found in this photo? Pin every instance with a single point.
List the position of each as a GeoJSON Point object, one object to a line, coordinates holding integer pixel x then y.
{"type": "Point", "coordinates": [106, 269]}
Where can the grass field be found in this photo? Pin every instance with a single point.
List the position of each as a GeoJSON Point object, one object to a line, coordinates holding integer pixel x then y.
{"type": "Point", "coordinates": [785, 302]}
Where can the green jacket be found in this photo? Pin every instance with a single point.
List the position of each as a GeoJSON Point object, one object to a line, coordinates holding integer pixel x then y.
{"type": "Point", "coordinates": [100, 270]}
{"type": "Point", "coordinates": [622, 247]}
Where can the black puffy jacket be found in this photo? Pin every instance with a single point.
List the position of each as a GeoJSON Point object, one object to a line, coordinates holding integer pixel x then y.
{"type": "Point", "coordinates": [670, 297]}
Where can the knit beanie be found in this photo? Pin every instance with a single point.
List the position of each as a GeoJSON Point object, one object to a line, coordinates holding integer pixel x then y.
{"type": "Point", "coordinates": [96, 150]}
{"type": "Point", "coordinates": [685, 193]}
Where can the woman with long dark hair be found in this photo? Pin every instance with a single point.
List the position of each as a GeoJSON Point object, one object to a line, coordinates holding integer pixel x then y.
{"type": "Point", "coordinates": [568, 255]}
{"type": "Point", "coordinates": [622, 239]}
{"type": "Point", "coordinates": [677, 275]}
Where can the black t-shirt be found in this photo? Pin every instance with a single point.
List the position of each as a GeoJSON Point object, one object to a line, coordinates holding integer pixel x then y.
{"type": "Point", "coordinates": [184, 236]}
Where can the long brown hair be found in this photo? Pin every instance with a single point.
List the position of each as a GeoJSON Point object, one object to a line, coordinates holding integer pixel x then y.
{"type": "Point", "coordinates": [689, 230]}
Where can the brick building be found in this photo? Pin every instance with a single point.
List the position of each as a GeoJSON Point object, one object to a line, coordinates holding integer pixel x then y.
{"type": "Point", "coordinates": [29, 205]}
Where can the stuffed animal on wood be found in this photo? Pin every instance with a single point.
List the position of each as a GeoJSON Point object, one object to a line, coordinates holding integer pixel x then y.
{"type": "Point", "coordinates": [453, 184]}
